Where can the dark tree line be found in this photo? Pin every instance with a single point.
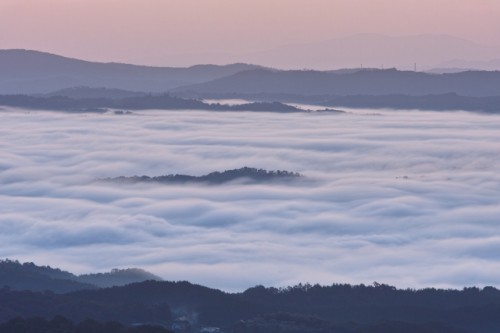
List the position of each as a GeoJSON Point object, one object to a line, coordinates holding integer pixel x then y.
{"type": "Point", "coordinates": [258, 309]}
{"type": "Point", "coordinates": [472, 309]}
{"type": "Point", "coordinates": [162, 102]}
{"type": "Point", "coordinates": [60, 324]}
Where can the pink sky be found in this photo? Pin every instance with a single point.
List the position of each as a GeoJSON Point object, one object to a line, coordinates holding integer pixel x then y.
{"type": "Point", "coordinates": [141, 31]}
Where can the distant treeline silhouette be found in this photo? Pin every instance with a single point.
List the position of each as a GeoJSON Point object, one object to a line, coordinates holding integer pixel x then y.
{"type": "Point", "coordinates": [440, 102]}
{"type": "Point", "coordinates": [161, 102]}
{"type": "Point", "coordinates": [359, 82]}
{"type": "Point", "coordinates": [243, 174]}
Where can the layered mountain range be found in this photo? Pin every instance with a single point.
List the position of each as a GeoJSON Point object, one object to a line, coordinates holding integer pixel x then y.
{"type": "Point", "coordinates": [34, 79]}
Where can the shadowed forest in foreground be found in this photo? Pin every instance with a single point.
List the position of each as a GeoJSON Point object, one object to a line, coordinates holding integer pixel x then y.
{"type": "Point", "coordinates": [301, 308]}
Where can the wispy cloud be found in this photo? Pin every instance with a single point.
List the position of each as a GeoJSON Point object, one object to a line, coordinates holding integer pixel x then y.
{"type": "Point", "coordinates": [406, 198]}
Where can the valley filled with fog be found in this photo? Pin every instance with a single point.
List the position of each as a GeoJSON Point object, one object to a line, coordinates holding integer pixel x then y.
{"type": "Point", "coordinates": [407, 198]}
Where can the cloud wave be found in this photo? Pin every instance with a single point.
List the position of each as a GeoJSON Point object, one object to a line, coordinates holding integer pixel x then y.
{"type": "Point", "coordinates": [406, 198]}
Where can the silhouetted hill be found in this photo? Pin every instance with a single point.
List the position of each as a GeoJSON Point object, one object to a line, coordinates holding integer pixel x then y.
{"type": "Point", "coordinates": [244, 174]}
{"type": "Point", "coordinates": [361, 82]}
{"type": "Point", "coordinates": [377, 308]}
{"type": "Point", "coordinates": [28, 276]}
{"type": "Point", "coordinates": [29, 72]}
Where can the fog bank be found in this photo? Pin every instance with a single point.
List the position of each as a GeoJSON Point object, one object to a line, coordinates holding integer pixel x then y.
{"type": "Point", "coordinates": [405, 198]}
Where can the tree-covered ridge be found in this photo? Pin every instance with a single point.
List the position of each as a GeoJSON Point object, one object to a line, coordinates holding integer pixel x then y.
{"type": "Point", "coordinates": [145, 102]}
{"type": "Point", "coordinates": [60, 324]}
{"type": "Point", "coordinates": [274, 323]}
{"type": "Point", "coordinates": [245, 174]}
{"type": "Point", "coordinates": [334, 308]}
{"type": "Point", "coordinates": [28, 276]}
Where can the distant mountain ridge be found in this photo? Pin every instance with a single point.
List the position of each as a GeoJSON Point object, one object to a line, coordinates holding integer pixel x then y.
{"type": "Point", "coordinates": [37, 80]}
{"type": "Point", "coordinates": [361, 82]}
{"type": "Point", "coordinates": [376, 50]}
{"type": "Point", "coordinates": [28, 276]}
{"type": "Point", "coordinates": [359, 50]}
{"type": "Point", "coordinates": [34, 72]}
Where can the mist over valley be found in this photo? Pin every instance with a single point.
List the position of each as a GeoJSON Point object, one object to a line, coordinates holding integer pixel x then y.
{"type": "Point", "coordinates": [374, 190]}
{"type": "Point", "coordinates": [229, 166]}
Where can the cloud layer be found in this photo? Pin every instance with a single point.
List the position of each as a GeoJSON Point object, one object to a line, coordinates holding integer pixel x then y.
{"type": "Point", "coordinates": [406, 198]}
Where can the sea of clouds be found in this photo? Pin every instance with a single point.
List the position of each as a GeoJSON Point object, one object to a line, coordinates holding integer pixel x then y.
{"type": "Point", "coordinates": [407, 198]}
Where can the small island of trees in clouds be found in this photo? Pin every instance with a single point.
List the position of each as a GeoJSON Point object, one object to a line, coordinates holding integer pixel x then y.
{"type": "Point", "coordinates": [241, 175]}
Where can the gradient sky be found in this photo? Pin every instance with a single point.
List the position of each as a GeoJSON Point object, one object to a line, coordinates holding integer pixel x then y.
{"type": "Point", "coordinates": [131, 30]}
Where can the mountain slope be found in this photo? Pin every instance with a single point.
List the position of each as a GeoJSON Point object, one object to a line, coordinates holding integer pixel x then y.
{"type": "Point", "coordinates": [361, 82]}
{"type": "Point", "coordinates": [28, 276]}
{"type": "Point", "coordinates": [29, 72]}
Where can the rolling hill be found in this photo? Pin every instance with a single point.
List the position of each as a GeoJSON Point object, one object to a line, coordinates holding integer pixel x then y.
{"type": "Point", "coordinates": [33, 72]}
{"type": "Point", "coordinates": [28, 276]}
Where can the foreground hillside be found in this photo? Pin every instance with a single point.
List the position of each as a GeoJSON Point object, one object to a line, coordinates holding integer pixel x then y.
{"type": "Point", "coordinates": [301, 308]}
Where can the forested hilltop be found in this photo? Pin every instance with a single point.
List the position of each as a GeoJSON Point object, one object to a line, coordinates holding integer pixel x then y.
{"type": "Point", "coordinates": [245, 174]}
{"type": "Point", "coordinates": [28, 276]}
{"type": "Point", "coordinates": [301, 308]}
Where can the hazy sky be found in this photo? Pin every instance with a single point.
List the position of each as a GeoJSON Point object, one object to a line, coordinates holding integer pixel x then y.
{"type": "Point", "coordinates": [132, 30]}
